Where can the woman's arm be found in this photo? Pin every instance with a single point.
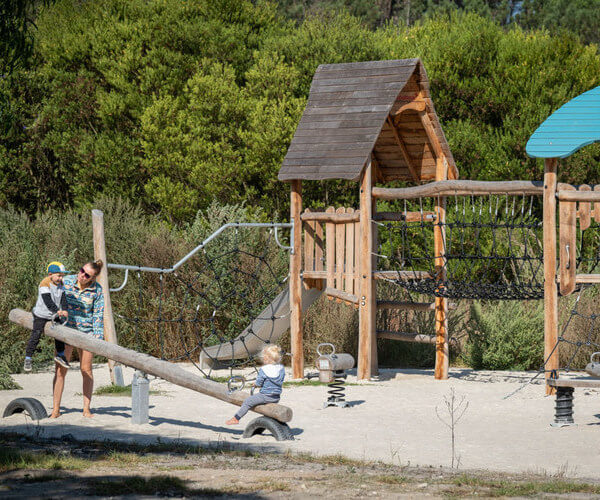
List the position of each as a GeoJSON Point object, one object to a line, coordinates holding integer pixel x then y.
{"type": "Point", "coordinates": [98, 316]}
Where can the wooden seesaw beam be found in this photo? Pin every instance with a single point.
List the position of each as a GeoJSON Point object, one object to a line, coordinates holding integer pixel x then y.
{"type": "Point", "coordinates": [149, 364]}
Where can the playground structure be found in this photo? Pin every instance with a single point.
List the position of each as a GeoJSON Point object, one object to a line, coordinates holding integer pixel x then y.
{"type": "Point", "coordinates": [374, 123]}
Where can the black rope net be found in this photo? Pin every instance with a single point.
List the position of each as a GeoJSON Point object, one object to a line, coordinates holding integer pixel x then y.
{"type": "Point", "coordinates": [209, 305]}
{"type": "Point", "coordinates": [492, 248]}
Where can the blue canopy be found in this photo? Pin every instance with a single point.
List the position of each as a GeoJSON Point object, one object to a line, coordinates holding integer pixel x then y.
{"type": "Point", "coordinates": [571, 127]}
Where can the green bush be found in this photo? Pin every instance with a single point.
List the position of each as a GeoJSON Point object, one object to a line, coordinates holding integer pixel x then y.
{"type": "Point", "coordinates": [505, 336]}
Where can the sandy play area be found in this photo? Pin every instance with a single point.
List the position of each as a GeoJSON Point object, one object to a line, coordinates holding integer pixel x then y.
{"type": "Point", "coordinates": [392, 420]}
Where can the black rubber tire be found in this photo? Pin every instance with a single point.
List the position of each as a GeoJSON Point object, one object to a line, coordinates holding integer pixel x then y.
{"type": "Point", "coordinates": [280, 431]}
{"type": "Point", "coordinates": [31, 406]}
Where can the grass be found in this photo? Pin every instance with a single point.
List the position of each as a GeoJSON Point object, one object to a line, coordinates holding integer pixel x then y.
{"type": "Point", "coordinates": [504, 488]}
{"type": "Point", "coordinates": [116, 390]}
{"type": "Point", "coordinates": [14, 459]}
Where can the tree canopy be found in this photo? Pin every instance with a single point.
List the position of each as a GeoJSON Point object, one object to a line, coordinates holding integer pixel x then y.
{"type": "Point", "coordinates": [176, 104]}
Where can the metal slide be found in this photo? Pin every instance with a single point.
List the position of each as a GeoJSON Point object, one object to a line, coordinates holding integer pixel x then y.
{"type": "Point", "coordinates": [270, 325]}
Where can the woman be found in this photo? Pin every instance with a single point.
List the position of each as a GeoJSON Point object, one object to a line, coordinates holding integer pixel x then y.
{"type": "Point", "coordinates": [85, 305]}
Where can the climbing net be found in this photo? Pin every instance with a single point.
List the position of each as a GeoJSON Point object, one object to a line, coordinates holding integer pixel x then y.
{"type": "Point", "coordinates": [217, 310]}
{"type": "Point", "coordinates": [492, 248]}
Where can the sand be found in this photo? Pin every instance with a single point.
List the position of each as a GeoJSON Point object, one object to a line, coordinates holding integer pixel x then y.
{"type": "Point", "coordinates": [392, 419]}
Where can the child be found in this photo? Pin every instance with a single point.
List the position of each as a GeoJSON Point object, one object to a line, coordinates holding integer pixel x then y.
{"type": "Point", "coordinates": [51, 301]}
{"type": "Point", "coordinates": [270, 380]}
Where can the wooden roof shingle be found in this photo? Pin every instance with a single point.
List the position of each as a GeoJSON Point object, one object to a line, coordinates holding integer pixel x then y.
{"type": "Point", "coordinates": [345, 117]}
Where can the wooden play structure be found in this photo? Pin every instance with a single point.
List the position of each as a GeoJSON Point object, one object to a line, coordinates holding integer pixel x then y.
{"type": "Point", "coordinates": [374, 123]}
{"type": "Point", "coordinates": [371, 122]}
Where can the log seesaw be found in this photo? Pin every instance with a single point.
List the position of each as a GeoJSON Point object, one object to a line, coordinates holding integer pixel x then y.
{"type": "Point", "coordinates": [274, 419]}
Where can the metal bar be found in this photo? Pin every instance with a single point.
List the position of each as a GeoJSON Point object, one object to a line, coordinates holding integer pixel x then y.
{"type": "Point", "coordinates": [200, 247]}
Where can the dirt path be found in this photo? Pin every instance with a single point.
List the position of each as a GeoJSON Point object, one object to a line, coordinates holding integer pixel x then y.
{"type": "Point", "coordinates": [58, 469]}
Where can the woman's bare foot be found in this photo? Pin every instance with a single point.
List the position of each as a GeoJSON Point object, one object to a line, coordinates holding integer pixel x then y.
{"type": "Point", "coordinates": [232, 421]}
{"type": "Point", "coordinates": [87, 414]}
{"type": "Point", "coordinates": [55, 414]}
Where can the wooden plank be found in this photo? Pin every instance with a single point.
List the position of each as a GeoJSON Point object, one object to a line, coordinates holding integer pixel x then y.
{"type": "Point", "coordinates": [354, 86]}
{"type": "Point", "coordinates": [330, 250]}
{"type": "Point", "coordinates": [309, 243]}
{"type": "Point", "coordinates": [151, 365]}
{"type": "Point", "coordinates": [340, 246]}
{"type": "Point", "coordinates": [406, 337]}
{"type": "Point", "coordinates": [404, 152]}
{"type": "Point", "coordinates": [597, 205]}
{"type": "Point", "coordinates": [336, 218]}
{"type": "Point", "coordinates": [340, 295]}
{"type": "Point", "coordinates": [324, 161]}
{"type": "Point", "coordinates": [339, 131]}
{"type": "Point", "coordinates": [110, 332]}
{"type": "Point", "coordinates": [567, 233]}
{"type": "Point", "coordinates": [296, 340]}
{"type": "Point", "coordinates": [386, 63]}
{"type": "Point", "coordinates": [345, 124]}
{"type": "Point", "coordinates": [327, 146]}
{"type": "Point", "coordinates": [365, 108]}
{"type": "Point", "coordinates": [367, 304]}
{"type": "Point", "coordinates": [404, 275]}
{"type": "Point", "coordinates": [349, 270]}
{"type": "Point", "coordinates": [460, 188]}
{"type": "Point", "coordinates": [551, 350]}
{"type": "Point", "coordinates": [585, 210]}
{"type": "Point", "coordinates": [329, 139]}
{"type": "Point", "coordinates": [340, 116]}
{"type": "Point", "coordinates": [399, 78]}
{"type": "Point", "coordinates": [408, 306]}
{"type": "Point", "coordinates": [319, 244]}
{"type": "Point", "coordinates": [566, 194]}
{"type": "Point", "coordinates": [334, 99]}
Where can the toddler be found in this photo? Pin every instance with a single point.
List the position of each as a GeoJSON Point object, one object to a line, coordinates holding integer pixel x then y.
{"type": "Point", "coordinates": [270, 380]}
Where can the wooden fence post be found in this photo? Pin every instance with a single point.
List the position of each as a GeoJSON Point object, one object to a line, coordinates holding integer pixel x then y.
{"type": "Point", "coordinates": [110, 332]}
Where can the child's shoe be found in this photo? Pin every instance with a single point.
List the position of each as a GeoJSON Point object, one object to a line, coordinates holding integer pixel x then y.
{"type": "Point", "coordinates": [62, 361]}
{"type": "Point", "coordinates": [28, 365]}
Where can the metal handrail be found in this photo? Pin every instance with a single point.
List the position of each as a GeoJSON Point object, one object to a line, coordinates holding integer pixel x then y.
{"type": "Point", "coordinates": [275, 225]}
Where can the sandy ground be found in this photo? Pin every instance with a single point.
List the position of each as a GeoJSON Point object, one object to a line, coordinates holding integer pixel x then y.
{"type": "Point", "coordinates": [392, 420]}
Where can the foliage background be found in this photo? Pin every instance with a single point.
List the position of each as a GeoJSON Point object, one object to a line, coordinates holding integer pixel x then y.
{"type": "Point", "coordinates": [155, 110]}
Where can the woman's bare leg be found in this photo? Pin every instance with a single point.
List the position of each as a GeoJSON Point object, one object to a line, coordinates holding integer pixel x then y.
{"type": "Point", "coordinates": [85, 358]}
{"type": "Point", "coordinates": [58, 384]}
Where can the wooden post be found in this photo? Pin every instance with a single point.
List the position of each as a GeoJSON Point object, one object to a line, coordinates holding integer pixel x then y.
{"type": "Point", "coordinates": [296, 282]}
{"type": "Point", "coordinates": [550, 291]}
{"type": "Point", "coordinates": [567, 231]}
{"type": "Point", "coordinates": [110, 332]}
{"type": "Point", "coordinates": [442, 358]}
{"type": "Point", "coordinates": [151, 365]}
{"type": "Point", "coordinates": [367, 337]}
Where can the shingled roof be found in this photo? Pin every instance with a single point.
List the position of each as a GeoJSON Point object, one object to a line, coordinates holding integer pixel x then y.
{"type": "Point", "coordinates": [378, 108]}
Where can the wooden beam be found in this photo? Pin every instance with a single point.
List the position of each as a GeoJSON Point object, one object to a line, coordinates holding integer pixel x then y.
{"type": "Point", "coordinates": [403, 150]}
{"type": "Point", "coordinates": [418, 106]}
{"type": "Point", "coordinates": [405, 275]}
{"type": "Point", "coordinates": [296, 342]}
{"type": "Point", "coordinates": [460, 188]}
{"type": "Point", "coordinates": [330, 217]}
{"type": "Point", "coordinates": [339, 294]}
{"type": "Point", "coordinates": [567, 233]}
{"type": "Point", "coordinates": [405, 216]}
{"type": "Point", "coordinates": [565, 194]}
{"type": "Point", "coordinates": [442, 356]}
{"type": "Point", "coordinates": [597, 204]}
{"type": "Point", "coordinates": [550, 291]}
{"type": "Point", "coordinates": [149, 364]}
{"type": "Point", "coordinates": [367, 305]}
{"type": "Point", "coordinates": [330, 250]}
{"type": "Point", "coordinates": [110, 332]}
{"type": "Point", "coordinates": [431, 135]}
{"type": "Point", "coordinates": [406, 337]}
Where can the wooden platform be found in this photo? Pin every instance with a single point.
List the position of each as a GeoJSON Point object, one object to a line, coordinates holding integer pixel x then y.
{"type": "Point", "coordinates": [589, 382]}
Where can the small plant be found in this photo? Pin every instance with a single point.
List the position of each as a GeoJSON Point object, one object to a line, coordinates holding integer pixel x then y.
{"type": "Point", "coordinates": [456, 410]}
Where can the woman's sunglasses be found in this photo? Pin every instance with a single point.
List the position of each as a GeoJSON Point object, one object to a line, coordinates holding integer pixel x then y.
{"type": "Point", "coordinates": [86, 275]}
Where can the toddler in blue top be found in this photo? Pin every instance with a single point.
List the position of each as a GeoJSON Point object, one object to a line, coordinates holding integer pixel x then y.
{"type": "Point", "coordinates": [270, 380]}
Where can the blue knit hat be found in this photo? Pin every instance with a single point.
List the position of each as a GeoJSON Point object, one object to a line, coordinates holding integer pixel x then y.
{"type": "Point", "coordinates": [56, 267]}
